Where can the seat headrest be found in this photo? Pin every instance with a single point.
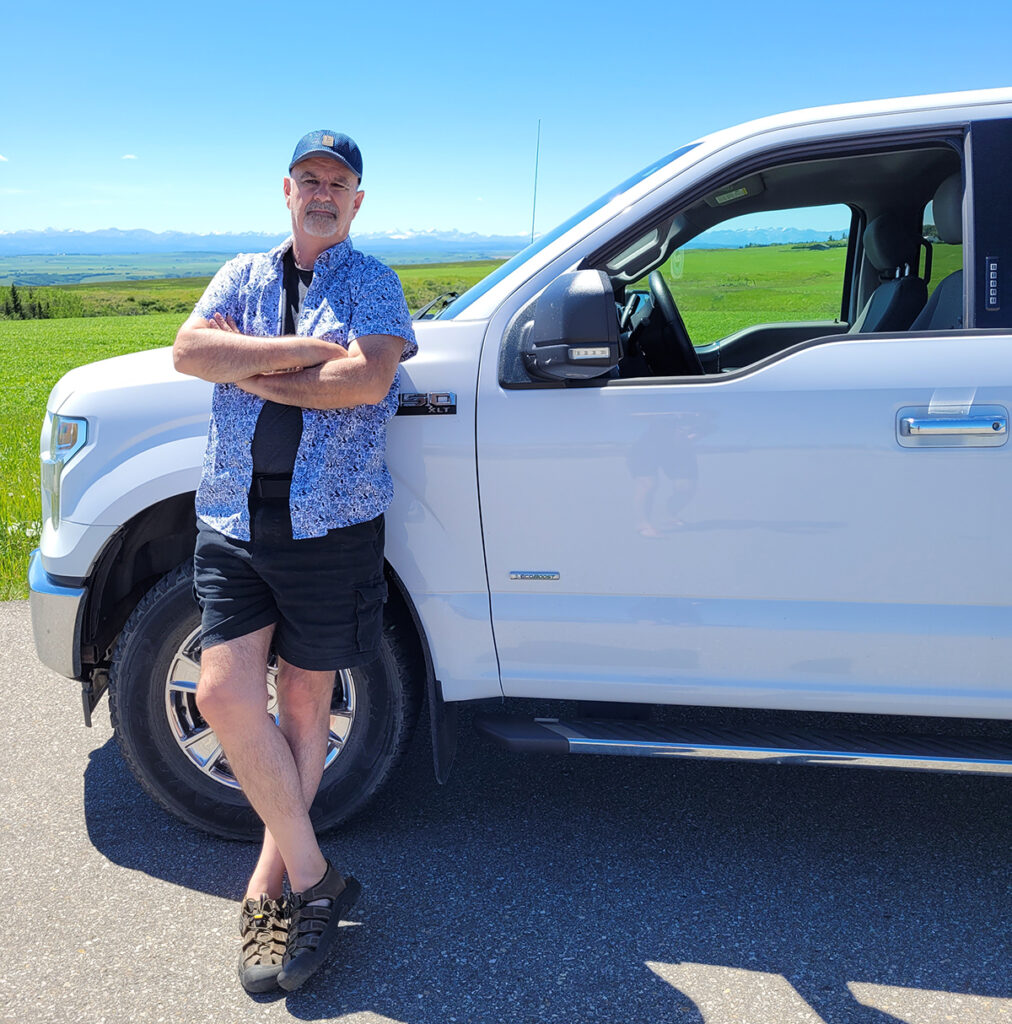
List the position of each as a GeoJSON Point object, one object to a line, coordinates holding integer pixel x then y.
{"type": "Point", "coordinates": [888, 244]}
{"type": "Point", "coordinates": [947, 207]}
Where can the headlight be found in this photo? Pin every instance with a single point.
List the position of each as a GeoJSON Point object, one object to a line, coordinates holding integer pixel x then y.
{"type": "Point", "coordinates": [67, 437]}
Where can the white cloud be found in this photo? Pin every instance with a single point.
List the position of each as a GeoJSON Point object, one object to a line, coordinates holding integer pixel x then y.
{"type": "Point", "coordinates": [128, 156]}
{"type": "Point", "coordinates": [3, 159]}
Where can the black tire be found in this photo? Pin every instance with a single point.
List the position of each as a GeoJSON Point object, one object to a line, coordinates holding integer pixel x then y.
{"type": "Point", "coordinates": [386, 705]}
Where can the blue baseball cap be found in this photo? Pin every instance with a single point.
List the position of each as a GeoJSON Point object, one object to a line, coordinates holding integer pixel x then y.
{"type": "Point", "coordinates": [332, 144]}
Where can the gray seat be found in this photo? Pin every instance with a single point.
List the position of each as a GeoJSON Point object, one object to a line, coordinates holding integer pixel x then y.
{"type": "Point", "coordinates": [901, 295]}
{"type": "Point", "coordinates": [944, 311]}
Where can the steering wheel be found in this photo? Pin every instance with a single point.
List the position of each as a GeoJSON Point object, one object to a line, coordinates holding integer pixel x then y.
{"type": "Point", "coordinates": [686, 352]}
{"type": "Point", "coordinates": [627, 311]}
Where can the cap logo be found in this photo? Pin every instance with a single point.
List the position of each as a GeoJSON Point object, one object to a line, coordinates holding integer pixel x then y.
{"type": "Point", "coordinates": [328, 140]}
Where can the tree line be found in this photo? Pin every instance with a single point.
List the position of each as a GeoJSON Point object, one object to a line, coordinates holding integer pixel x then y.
{"type": "Point", "coordinates": [27, 303]}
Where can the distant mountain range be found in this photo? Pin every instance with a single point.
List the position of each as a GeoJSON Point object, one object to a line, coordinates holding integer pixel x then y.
{"type": "Point", "coordinates": [737, 238]}
{"type": "Point", "coordinates": [389, 246]}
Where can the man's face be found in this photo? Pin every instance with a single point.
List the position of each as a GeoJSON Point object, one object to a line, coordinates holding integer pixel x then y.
{"type": "Point", "coordinates": [323, 196]}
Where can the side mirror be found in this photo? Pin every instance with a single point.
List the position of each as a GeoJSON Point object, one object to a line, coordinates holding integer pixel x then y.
{"type": "Point", "coordinates": [574, 334]}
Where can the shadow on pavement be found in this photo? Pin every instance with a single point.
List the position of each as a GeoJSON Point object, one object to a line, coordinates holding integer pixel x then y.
{"type": "Point", "coordinates": [539, 889]}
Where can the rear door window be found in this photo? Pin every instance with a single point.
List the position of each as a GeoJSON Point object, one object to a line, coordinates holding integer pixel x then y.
{"type": "Point", "coordinates": [945, 258]}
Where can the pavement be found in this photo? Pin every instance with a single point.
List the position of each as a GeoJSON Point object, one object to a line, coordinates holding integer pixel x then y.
{"type": "Point", "coordinates": [540, 889]}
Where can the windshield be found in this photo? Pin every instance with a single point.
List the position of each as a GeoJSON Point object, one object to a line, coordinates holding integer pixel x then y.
{"type": "Point", "coordinates": [458, 306]}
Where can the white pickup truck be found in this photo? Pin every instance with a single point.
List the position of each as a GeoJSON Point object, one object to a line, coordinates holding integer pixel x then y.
{"type": "Point", "coordinates": [608, 508]}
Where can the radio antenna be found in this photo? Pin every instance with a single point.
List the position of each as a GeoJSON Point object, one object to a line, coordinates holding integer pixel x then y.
{"type": "Point", "coordinates": [537, 154]}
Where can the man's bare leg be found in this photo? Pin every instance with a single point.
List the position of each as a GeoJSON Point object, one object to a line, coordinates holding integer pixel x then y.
{"type": "Point", "coordinates": [304, 698]}
{"type": "Point", "coordinates": [232, 697]}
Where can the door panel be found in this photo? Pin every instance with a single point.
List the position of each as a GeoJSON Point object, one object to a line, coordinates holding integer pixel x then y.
{"type": "Point", "coordinates": [760, 540]}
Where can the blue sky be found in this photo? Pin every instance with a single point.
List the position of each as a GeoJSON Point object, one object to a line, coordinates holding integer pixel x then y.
{"type": "Point", "coordinates": [184, 116]}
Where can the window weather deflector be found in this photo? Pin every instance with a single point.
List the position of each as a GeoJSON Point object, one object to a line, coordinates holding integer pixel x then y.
{"type": "Point", "coordinates": [849, 145]}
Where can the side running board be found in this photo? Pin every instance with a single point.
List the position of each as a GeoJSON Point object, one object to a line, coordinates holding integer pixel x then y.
{"type": "Point", "coordinates": [980, 756]}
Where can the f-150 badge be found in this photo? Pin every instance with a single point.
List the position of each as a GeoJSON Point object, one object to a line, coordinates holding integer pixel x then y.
{"type": "Point", "coordinates": [432, 403]}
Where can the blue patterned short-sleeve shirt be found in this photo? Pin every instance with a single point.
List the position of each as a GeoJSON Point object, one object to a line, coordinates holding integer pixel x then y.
{"type": "Point", "coordinates": [340, 474]}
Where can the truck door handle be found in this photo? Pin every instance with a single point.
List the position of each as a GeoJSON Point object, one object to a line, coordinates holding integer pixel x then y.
{"type": "Point", "coordinates": [941, 426]}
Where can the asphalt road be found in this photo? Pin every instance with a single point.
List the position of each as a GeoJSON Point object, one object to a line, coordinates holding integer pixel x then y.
{"type": "Point", "coordinates": [545, 890]}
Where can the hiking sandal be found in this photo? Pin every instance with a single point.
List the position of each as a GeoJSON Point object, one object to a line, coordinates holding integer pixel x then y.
{"type": "Point", "coordinates": [313, 925]}
{"type": "Point", "coordinates": [263, 926]}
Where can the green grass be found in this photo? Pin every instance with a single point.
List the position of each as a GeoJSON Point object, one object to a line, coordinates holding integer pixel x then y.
{"type": "Point", "coordinates": [719, 291]}
{"type": "Point", "coordinates": [34, 354]}
{"type": "Point", "coordinates": [137, 298]}
{"type": "Point", "coordinates": [421, 283]}
{"type": "Point", "coordinates": [945, 259]}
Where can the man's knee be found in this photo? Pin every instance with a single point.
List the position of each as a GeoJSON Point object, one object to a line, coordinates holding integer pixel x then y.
{"type": "Point", "coordinates": [303, 693]}
{"type": "Point", "coordinates": [231, 684]}
{"type": "Point", "coordinates": [215, 694]}
{"type": "Point", "coordinates": [226, 696]}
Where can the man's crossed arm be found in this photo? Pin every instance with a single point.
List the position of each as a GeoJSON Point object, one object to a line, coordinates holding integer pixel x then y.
{"type": "Point", "coordinates": [307, 372]}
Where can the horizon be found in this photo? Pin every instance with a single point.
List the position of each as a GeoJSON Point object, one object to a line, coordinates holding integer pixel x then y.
{"type": "Point", "coordinates": [40, 248]}
{"type": "Point", "coordinates": [447, 120]}
{"type": "Point", "coordinates": [393, 233]}
{"type": "Point", "coordinates": [63, 266]}
{"type": "Point", "coordinates": [775, 223]}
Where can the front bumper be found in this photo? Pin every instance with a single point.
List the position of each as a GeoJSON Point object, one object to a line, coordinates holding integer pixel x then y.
{"type": "Point", "coordinates": [57, 612]}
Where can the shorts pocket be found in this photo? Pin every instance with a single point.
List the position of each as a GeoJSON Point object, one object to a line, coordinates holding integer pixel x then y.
{"type": "Point", "coordinates": [369, 600]}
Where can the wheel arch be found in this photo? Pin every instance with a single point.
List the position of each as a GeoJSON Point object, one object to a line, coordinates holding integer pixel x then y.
{"type": "Point", "coordinates": [146, 547]}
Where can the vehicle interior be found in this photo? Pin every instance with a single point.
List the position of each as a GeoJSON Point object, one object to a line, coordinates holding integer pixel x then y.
{"type": "Point", "coordinates": [693, 298]}
{"type": "Point", "coordinates": [753, 301]}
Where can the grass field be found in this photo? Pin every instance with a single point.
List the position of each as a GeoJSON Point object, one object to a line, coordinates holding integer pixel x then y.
{"type": "Point", "coordinates": [65, 270]}
{"type": "Point", "coordinates": [421, 282]}
{"type": "Point", "coordinates": [34, 354]}
{"type": "Point", "coordinates": [718, 292]}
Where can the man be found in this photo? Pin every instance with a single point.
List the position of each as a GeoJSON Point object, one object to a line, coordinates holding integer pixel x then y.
{"type": "Point", "coordinates": [302, 344]}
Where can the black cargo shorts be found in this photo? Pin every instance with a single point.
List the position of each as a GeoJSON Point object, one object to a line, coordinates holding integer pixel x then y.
{"type": "Point", "coordinates": [325, 593]}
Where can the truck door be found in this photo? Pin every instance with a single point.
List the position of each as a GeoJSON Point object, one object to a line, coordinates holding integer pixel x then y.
{"type": "Point", "coordinates": [823, 528]}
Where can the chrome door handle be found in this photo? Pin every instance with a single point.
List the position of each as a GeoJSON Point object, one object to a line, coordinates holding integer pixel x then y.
{"type": "Point", "coordinates": [941, 426]}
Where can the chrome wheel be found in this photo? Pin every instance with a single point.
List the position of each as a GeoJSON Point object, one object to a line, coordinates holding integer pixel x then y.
{"type": "Point", "coordinates": [196, 738]}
